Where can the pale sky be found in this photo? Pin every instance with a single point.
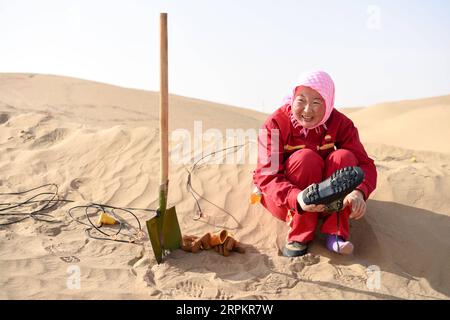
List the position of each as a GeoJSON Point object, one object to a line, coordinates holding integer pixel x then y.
{"type": "Point", "coordinates": [240, 52]}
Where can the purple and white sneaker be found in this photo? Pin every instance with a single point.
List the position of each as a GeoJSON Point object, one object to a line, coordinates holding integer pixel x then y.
{"type": "Point", "coordinates": [339, 245]}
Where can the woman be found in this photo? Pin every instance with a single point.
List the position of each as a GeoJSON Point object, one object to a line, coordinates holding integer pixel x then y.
{"type": "Point", "coordinates": [302, 143]}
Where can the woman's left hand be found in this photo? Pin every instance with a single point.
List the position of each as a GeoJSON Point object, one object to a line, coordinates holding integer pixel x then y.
{"type": "Point", "coordinates": [356, 201]}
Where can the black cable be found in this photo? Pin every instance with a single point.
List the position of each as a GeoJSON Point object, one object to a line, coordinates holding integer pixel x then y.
{"type": "Point", "coordinates": [13, 209]}
{"type": "Point", "coordinates": [43, 205]}
{"type": "Point", "coordinates": [195, 194]}
{"type": "Point", "coordinates": [122, 222]}
{"type": "Point", "coordinates": [52, 199]}
{"type": "Point", "coordinates": [192, 191]}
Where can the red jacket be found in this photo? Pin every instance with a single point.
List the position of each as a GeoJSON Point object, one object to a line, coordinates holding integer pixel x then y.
{"type": "Point", "coordinates": [341, 134]}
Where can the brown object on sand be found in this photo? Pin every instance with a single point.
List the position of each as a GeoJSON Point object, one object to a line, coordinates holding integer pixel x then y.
{"type": "Point", "coordinates": [222, 242]}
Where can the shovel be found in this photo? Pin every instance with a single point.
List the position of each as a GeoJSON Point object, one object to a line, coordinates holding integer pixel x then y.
{"type": "Point", "coordinates": [163, 229]}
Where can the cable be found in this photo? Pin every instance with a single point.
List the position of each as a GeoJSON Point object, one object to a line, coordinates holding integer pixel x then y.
{"type": "Point", "coordinates": [41, 207]}
{"type": "Point", "coordinates": [34, 207]}
{"type": "Point", "coordinates": [195, 194]}
{"type": "Point", "coordinates": [137, 236]}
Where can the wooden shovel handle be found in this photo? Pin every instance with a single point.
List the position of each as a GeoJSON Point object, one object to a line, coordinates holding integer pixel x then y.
{"type": "Point", "coordinates": [164, 100]}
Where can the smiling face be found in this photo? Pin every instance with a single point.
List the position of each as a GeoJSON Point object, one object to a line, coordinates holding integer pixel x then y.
{"type": "Point", "coordinates": [308, 107]}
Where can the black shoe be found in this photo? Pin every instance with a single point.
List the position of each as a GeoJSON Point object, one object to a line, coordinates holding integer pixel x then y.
{"type": "Point", "coordinates": [333, 190]}
{"type": "Point", "coordinates": [294, 249]}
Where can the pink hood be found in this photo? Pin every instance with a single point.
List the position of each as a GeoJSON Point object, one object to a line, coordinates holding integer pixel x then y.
{"type": "Point", "coordinates": [324, 85]}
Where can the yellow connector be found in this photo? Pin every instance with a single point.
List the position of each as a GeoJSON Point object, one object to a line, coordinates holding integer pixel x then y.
{"type": "Point", "coordinates": [255, 197]}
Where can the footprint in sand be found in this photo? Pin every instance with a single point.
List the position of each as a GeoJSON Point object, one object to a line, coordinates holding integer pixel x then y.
{"type": "Point", "coordinates": [342, 276]}
{"type": "Point", "coordinates": [51, 138]}
{"type": "Point", "coordinates": [304, 261]}
{"type": "Point", "coordinates": [196, 290]}
{"type": "Point", "coordinates": [64, 256]}
{"type": "Point", "coordinates": [222, 295]}
{"type": "Point", "coordinates": [27, 135]}
{"type": "Point", "coordinates": [76, 183]}
{"type": "Point", "coordinates": [255, 297]}
{"type": "Point", "coordinates": [70, 259]}
{"type": "Point", "coordinates": [190, 288]}
{"type": "Point", "coordinates": [50, 231]}
{"type": "Point", "coordinates": [4, 117]}
{"type": "Point", "coordinates": [310, 259]}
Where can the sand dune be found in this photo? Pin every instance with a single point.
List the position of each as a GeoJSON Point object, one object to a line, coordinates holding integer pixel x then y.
{"type": "Point", "coordinates": [417, 125]}
{"type": "Point", "coordinates": [100, 143]}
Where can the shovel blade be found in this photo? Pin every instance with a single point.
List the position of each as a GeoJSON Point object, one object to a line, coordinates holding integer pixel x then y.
{"type": "Point", "coordinates": [164, 232]}
{"type": "Point", "coordinates": [171, 233]}
{"type": "Point", "coordinates": [154, 235]}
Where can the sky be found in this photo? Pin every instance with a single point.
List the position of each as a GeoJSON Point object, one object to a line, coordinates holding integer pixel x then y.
{"type": "Point", "coordinates": [244, 53]}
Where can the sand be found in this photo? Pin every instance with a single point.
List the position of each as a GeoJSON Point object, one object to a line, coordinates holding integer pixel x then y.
{"type": "Point", "coordinates": [100, 143]}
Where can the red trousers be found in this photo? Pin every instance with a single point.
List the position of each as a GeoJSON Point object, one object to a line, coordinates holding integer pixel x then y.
{"type": "Point", "coordinates": [303, 168]}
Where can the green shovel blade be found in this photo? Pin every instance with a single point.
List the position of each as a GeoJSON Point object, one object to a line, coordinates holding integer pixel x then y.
{"type": "Point", "coordinates": [153, 234]}
{"type": "Point", "coordinates": [164, 232]}
{"type": "Point", "coordinates": [171, 233]}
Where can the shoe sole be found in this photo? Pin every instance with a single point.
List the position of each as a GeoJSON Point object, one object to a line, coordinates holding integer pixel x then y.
{"type": "Point", "coordinates": [294, 253]}
{"type": "Point", "coordinates": [341, 183]}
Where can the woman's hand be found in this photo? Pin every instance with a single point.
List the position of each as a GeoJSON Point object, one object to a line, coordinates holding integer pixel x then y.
{"type": "Point", "coordinates": [355, 200]}
{"type": "Point", "coordinates": [310, 207]}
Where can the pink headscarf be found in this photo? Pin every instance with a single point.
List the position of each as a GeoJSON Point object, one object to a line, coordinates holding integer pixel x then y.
{"type": "Point", "coordinates": [324, 85]}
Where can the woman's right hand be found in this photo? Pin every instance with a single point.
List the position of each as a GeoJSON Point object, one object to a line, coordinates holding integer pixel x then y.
{"type": "Point", "coordinates": [310, 207]}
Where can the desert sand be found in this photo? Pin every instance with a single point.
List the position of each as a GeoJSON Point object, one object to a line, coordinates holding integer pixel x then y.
{"type": "Point", "coordinates": [100, 143]}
